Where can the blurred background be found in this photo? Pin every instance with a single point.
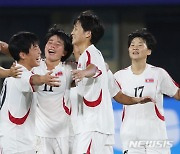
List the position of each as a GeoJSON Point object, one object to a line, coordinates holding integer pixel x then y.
{"type": "Point", "coordinates": [120, 17]}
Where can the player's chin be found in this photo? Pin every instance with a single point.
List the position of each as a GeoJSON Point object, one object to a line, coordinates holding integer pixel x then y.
{"type": "Point", "coordinates": [74, 42]}
{"type": "Point", "coordinates": [37, 63]}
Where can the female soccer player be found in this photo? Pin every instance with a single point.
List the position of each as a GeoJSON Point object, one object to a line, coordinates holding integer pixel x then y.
{"type": "Point", "coordinates": [144, 122]}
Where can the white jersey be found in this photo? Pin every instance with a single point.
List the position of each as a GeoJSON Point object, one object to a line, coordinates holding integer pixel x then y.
{"type": "Point", "coordinates": [17, 114]}
{"type": "Point", "coordinates": [144, 121]}
{"type": "Point", "coordinates": [53, 110]}
{"type": "Point", "coordinates": [95, 111]}
{"type": "Point", "coordinates": [112, 85]}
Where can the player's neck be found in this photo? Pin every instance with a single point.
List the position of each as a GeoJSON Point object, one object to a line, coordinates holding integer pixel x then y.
{"type": "Point", "coordinates": [25, 64]}
{"type": "Point", "coordinates": [138, 67]}
{"type": "Point", "coordinates": [83, 47]}
{"type": "Point", "coordinates": [51, 65]}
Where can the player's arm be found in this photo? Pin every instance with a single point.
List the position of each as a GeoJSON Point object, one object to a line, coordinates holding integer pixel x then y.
{"type": "Point", "coordinates": [4, 72]}
{"type": "Point", "coordinates": [14, 71]}
{"type": "Point", "coordinates": [177, 95]}
{"type": "Point", "coordinates": [127, 100]}
{"type": "Point", "coordinates": [89, 72]}
{"type": "Point", "coordinates": [4, 48]}
{"type": "Point", "coordinates": [45, 79]}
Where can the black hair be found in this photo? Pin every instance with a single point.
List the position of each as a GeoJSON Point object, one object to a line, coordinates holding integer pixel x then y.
{"type": "Point", "coordinates": [90, 22]}
{"type": "Point", "coordinates": [21, 42]}
{"type": "Point", "coordinates": [56, 30]}
{"type": "Point", "coordinates": [145, 35]}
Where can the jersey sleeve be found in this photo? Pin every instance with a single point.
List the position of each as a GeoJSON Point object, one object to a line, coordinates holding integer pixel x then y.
{"type": "Point", "coordinates": [68, 69]}
{"type": "Point", "coordinates": [167, 85]}
{"type": "Point", "coordinates": [23, 83]}
{"type": "Point", "coordinates": [112, 84]}
{"type": "Point", "coordinates": [94, 58]}
{"type": "Point", "coordinates": [116, 76]}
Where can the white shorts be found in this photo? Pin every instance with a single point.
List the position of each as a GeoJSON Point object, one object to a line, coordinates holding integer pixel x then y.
{"type": "Point", "coordinates": [147, 151]}
{"type": "Point", "coordinates": [12, 152]}
{"type": "Point", "coordinates": [71, 142]}
{"type": "Point", "coordinates": [93, 143]}
{"type": "Point", "coordinates": [25, 152]}
{"type": "Point", "coordinates": [0, 146]}
{"type": "Point", "coordinates": [46, 145]}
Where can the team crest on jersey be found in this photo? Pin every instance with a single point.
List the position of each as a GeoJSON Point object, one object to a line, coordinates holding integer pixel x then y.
{"type": "Point", "coordinates": [149, 80]}
{"type": "Point", "coordinates": [79, 65]}
{"type": "Point", "coordinates": [59, 73]}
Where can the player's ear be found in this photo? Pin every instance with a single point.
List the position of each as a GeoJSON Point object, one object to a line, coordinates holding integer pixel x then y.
{"type": "Point", "coordinates": [22, 55]}
{"type": "Point", "coordinates": [64, 53]}
{"type": "Point", "coordinates": [149, 52]}
{"type": "Point", "coordinates": [88, 33]}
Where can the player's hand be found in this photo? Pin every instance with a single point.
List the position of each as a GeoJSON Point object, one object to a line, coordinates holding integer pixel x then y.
{"type": "Point", "coordinates": [144, 100]}
{"type": "Point", "coordinates": [51, 80]}
{"type": "Point", "coordinates": [78, 75]}
{"type": "Point", "coordinates": [15, 71]}
{"type": "Point", "coordinates": [4, 47]}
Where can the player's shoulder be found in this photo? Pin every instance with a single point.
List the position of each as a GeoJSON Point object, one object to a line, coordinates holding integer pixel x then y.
{"type": "Point", "coordinates": [156, 68]}
{"type": "Point", "coordinates": [93, 50]}
{"type": "Point", "coordinates": [160, 72]}
{"type": "Point", "coordinates": [42, 66]}
{"type": "Point", "coordinates": [70, 64]}
{"type": "Point", "coordinates": [122, 71]}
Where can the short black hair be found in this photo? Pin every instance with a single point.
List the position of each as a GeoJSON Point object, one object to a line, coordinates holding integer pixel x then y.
{"type": "Point", "coordinates": [56, 30]}
{"type": "Point", "coordinates": [21, 42]}
{"type": "Point", "coordinates": [90, 22]}
{"type": "Point", "coordinates": [145, 35]}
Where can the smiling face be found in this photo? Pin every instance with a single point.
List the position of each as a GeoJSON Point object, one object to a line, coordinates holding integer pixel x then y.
{"type": "Point", "coordinates": [138, 49]}
{"type": "Point", "coordinates": [79, 35]}
{"type": "Point", "coordinates": [32, 59]}
{"type": "Point", "coordinates": [54, 49]}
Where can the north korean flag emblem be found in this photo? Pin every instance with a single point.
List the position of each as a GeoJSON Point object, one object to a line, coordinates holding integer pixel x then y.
{"type": "Point", "coordinates": [79, 65]}
{"type": "Point", "coordinates": [149, 80]}
{"type": "Point", "coordinates": [60, 73]}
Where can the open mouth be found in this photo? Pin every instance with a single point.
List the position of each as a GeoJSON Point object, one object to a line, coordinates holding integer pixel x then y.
{"type": "Point", "coordinates": [38, 59]}
{"type": "Point", "coordinates": [135, 53]}
{"type": "Point", "coordinates": [51, 51]}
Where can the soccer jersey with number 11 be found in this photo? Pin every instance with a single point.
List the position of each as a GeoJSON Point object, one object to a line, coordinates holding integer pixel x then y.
{"type": "Point", "coordinates": [53, 110]}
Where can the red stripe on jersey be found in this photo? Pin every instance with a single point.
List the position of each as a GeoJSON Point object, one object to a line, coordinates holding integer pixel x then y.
{"type": "Point", "coordinates": [18, 121]}
{"type": "Point", "coordinates": [99, 73]}
{"type": "Point", "coordinates": [149, 80]}
{"type": "Point", "coordinates": [160, 116]}
{"type": "Point", "coordinates": [68, 111]}
{"type": "Point", "coordinates": [123, 114]}
{"type": "Point", "coordinates": [93, 103]}
{"type": "Point", "coordinates": [89, 58]}
{"type": "Point", "coordinates": [172, 79]}
{"type": "Point", "coordinates": [176, 83]}
{"type": "Point", "coordinates": [89, 148]}
{"type": "Point", "coordinates": [118, 84]}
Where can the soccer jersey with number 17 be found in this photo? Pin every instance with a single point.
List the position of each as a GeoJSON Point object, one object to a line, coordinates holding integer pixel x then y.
{"type": "Point", "coordinates": [145, 121]}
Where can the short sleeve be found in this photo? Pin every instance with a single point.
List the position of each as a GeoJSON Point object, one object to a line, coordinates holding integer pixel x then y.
{"type": "Point", "coordinates": [68, 68]}
{"type": "Point", "coordinates": [167, 85]}
{"type": "Point", "coordinates": [23, 83]}
{"type": "Point", "coordinates": [112, 84]}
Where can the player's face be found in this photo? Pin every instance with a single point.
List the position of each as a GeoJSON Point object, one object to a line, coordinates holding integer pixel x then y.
{"type": "Point", "coordinates": [33, 57]}
{"type": "Point", "coordinates": [138, 49]}
{"type": "Point", "coordinates": [54, 49]}
{"type": "Point", "coordinates": [78, 34]}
